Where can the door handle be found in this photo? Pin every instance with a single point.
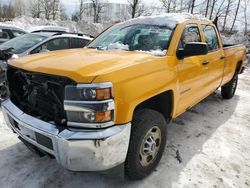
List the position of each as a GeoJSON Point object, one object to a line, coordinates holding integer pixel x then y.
{"type": "Point", "coordinates": [205, 63]}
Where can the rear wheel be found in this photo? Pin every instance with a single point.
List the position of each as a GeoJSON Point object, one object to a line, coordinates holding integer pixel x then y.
{"type": "Point", "coordinates": [228, 90]}
{"type": "Point", "coordinates": [147, 143]}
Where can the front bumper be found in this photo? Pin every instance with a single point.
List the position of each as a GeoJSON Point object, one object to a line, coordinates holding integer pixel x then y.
{"type": "Point", "coordinates": [85, 150]}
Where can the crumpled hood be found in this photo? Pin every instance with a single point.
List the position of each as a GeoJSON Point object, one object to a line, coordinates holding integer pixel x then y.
{"type": "Point", "coordinates": [81, 65]}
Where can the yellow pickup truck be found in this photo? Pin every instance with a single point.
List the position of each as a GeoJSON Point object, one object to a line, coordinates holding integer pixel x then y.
{"type": "Point", "coordinates": [109, 104]}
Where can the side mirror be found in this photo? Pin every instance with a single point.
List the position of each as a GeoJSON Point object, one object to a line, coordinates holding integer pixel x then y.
{"type": "Point", "coordinates": [192, 49]}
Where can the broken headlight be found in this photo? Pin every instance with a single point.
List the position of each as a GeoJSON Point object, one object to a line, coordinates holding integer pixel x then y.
{"type": "Point", "coordinates": [89, 105]}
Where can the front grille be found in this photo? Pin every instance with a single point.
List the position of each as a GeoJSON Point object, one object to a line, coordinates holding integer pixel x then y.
{"type": "Point", "coordinates": [38, 95]}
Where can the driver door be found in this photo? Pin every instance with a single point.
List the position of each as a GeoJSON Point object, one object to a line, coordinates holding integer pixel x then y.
{"type": "Point", "coordinates": [191, 72]}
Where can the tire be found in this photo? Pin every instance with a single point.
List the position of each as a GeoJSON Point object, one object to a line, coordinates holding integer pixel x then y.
{"type": "Point", "coordinates": [228, 90]}
{"type": "Point", "coordinates": [146, 124]}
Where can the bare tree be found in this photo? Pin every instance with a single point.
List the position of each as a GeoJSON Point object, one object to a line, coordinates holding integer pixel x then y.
{"type": "Point", "coordinates": [7, 11]}
{"type": "Point", "coordinates": [245, 6]}
{"type": "Point", "coordinates": [98, 6]}
{"type": "Point", "coordinates": [19, 8]}
{"type": "Point", "coordinates": [47, 8]}
{"type": "Point", "coordinates": [63, 14]}
{"type": "Point", "coordinates": [192, 6]}
{"type": "Point", "coordinates": [36, 8]}
{"type": "Point", "coordinates": [55, 8]}
{"type": "Point", "coordinates": [166, 4]}
{"type": "Point", "coordinates": [136, 8]}
{"type": "Point", "coordinates": [229, 4]}
{"type": "Point", "coordinates": [212, 9]}
{"type": "Point", "coordinates": [207, 6]}
{"type": "Point", "coordinates": [81, 9]}
{"type": "Point", "coordinates": [236, 14]}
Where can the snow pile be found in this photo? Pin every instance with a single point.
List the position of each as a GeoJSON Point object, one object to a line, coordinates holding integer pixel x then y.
{"type": "Point", "coordinates": [159, 52]}
{"type": "Point", "coordinates": [117, 46]}
{"type": "Point", "coordinates": [80, 27]}
{"type": "Point", "coordinates": [154, 52]}
{"type": "Point", "coordinates": [237, 38]}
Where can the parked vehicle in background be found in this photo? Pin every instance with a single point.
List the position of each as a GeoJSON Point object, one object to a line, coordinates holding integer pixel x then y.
{"type": "Point", "coordinates": [8, 32]}
{"type": "Point", "coordinates": [110, 103]}
{"type": "Point", "coordinates": [33, 43]}
{"type": "Point", "coordinates": [48, 29]}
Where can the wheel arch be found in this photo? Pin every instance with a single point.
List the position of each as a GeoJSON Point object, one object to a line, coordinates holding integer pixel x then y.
{"type": "Point", "coordinates": [239, 66]}
{"type": "Point", "coordinates": [163, 103]}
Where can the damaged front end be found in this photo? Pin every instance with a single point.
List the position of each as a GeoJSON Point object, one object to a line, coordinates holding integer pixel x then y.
{"type": "Point", "coordinates": [38, 95]}
{"type": "Point", "coordinates": [72, 122]}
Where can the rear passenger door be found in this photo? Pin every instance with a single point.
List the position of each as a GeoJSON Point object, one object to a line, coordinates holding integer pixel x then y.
{"type": "Point", "coordinates": [78, 43]}
{"type": "Point", "coordinates": [215, 57]}
{"type": "Point", "coordinates": [53, 45]}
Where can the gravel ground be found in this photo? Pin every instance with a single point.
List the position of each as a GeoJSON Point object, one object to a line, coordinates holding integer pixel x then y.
{"type": "Point", "coordinates": [208, 146]}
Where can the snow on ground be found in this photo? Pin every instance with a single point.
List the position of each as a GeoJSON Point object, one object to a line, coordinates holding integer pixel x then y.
{"type": "Point", "coordinates": [208, 146]}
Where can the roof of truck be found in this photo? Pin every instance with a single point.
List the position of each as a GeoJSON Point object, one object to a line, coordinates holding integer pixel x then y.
{"type": "Point", "coordinates": [170, 19]}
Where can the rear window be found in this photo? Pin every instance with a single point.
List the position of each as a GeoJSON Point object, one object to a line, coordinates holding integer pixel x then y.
{"type": "Point", "coordinates": [78, 43]}
{"type": "Point", "coordinates": [211, 37]}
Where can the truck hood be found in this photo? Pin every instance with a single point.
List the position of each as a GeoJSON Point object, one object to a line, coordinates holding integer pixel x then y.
{"type": "Point", "coordinates": [81, 65]}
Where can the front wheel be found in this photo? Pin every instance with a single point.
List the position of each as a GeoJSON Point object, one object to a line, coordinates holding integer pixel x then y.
{"type": "Point", "coordinates": [147, 143]}
{"type": "Point", "coordinates": [228, 90]}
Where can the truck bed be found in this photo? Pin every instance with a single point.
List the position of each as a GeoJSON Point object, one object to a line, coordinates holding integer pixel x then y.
{"type": "Point", "coordinates": [233, 56]}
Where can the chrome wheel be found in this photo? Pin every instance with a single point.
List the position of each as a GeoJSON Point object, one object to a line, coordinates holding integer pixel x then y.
{"type": "Point", "coordinates": [150, 146]}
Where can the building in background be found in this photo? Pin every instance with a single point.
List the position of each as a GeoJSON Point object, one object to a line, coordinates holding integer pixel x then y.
{"type": "Point", "coordinates": [111, 11]}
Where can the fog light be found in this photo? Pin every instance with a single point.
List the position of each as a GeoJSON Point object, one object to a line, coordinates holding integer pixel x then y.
{"type": "Point", "coordinates": [90, 116]}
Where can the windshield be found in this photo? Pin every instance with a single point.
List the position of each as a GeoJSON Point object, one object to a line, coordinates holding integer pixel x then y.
{"type": "Point", "coordinates": [23, 43]}
{"type": "Point", "coordinates": [139, 37]}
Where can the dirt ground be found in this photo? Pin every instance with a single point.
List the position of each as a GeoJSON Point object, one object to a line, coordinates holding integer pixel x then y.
{"type": "Point", "coordinates": [208, 146]}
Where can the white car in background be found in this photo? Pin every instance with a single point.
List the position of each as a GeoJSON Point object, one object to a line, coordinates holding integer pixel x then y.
{"type": "Point", "coordinates": [33, 43]}
{"type": "Point", "coordinates": [48, 29]}
{"type": "Point", "coordinates": [8, 32]}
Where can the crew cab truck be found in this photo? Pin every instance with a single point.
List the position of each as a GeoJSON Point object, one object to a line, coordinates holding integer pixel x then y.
{"type": "Point", "coordinates": [110, 103]}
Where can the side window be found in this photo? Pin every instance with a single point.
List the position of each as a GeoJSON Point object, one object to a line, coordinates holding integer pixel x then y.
{"type": "Point", "coordinates": [190, 34]}
{"type": "Point", "coordinates": [211, 37]}
{"type": "Point", "coordinates": [52, 45]}
{"type": "Point", "coordinates": [78, 43]}
{"type": "Point", "coordinates": [17, 33]}
{"type": "Point", "coordinates": [4, 34]}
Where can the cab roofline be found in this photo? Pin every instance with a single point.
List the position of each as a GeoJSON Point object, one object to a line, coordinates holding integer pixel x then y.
{"type": "Point", "coordinates": [168, 19]}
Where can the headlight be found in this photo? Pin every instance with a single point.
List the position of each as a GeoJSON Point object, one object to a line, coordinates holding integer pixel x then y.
{"type": "Point", "coordinates": [87, 93]}
{"type": "Point", "coordinates": [89, 105]}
